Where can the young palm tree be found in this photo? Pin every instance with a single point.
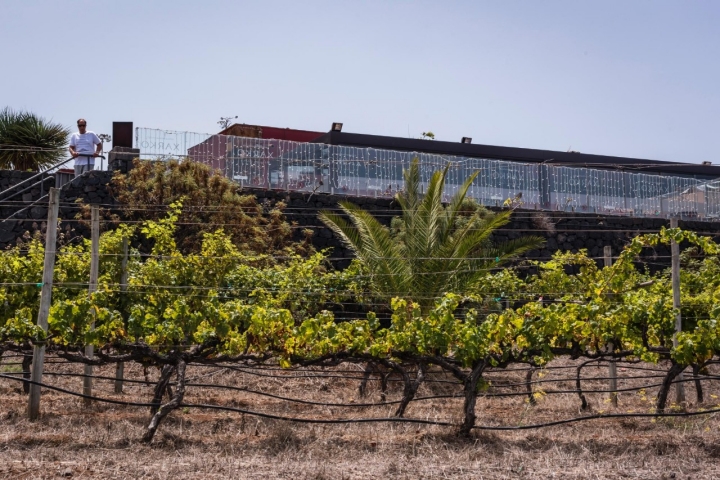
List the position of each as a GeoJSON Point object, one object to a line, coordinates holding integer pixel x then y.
{"type": "Point", "coordinates": [29, 142]}
{"type": "Point", "coordinates": [436, 249]}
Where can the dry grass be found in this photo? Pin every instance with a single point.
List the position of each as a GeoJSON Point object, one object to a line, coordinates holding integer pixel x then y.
{"type": "Point", "coordinates": [72, 441]}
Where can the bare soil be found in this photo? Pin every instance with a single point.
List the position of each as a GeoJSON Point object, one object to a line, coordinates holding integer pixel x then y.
{"type": "Point", "coordinates": [72, 440]}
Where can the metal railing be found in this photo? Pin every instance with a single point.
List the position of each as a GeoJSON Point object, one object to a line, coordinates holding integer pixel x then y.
{"type": "Point", "coordinates": [316, 167]}
{"type": "Point", "coordinates": [14, 190]}
{"type": "Point", "coordinates": [60, 178]}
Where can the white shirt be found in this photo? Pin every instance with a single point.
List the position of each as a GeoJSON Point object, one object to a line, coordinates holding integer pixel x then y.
{"type": "Point", "coordinates": [84, 144]}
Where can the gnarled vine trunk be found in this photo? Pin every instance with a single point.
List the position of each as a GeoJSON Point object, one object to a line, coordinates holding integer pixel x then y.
{"type": "Point", "coordinates": [174, 402]}
{"type": "Point", "coordinates": [578, 386]}
{"type": "Point", "coordinates": [410, 389]}
{"type": "Point", "coordinates": [528, 385]}
{"type": "Point", "coordinates": [698, 383]}
{"type": "Point", "coordinates": [674, 371]}
{"type": "Point", "coordinates": [26, 373]}
{"type": "Point", "coordinates": [362, 388]}
{"type": "Point", "coordinates": [470, 391]}
{"type": "Point", "coordinates": [161, 387]}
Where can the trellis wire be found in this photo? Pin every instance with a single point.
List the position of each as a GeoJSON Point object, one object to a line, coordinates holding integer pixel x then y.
{"type": "Point", "coordinates": [324, 419]}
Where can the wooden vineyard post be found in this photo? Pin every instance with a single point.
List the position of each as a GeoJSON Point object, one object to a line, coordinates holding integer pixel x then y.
{"type": "Point", "coordinates": [45, 300]}
{"type": "Point", "coordinates": [94, 267]}
{"type": "Point", "coordinates": [612, 367]}
{"type": "Point", "coordinates": [675, 253]}
{"type": "Point", "coordinates": [120, 367]}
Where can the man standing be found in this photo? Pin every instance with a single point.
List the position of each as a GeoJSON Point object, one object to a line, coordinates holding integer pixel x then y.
{"type": "Point", "coordinates": [84, 147]}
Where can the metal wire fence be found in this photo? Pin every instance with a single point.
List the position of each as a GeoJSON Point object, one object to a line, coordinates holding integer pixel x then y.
{"type": "Point", "coordinates": [371, 172]}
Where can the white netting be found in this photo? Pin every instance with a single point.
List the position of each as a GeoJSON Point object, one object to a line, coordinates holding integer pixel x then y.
{"type": "Point", "coordinates": [287, 165]}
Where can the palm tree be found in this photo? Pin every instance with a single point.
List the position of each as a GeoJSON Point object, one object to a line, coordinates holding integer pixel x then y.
{"type": "Point", "coordinates": [435, 248]}
{"type": "Point", "coordinates": [29, 142]}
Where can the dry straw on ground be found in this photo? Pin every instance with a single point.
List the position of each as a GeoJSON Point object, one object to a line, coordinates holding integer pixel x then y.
{"type": "Point", "coordinates": [102, 441]}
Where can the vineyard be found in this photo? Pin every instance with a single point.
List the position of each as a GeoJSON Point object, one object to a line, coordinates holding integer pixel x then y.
{"type": "Point", "coordinates": [222, 307]}
{"type": "Point", "coordinates": [413, 335]}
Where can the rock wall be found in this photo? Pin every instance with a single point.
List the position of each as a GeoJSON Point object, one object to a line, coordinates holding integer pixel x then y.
{"type": "Point", "coordinates": [21, 217]}
{"type": "Point", "coordinates": [566, 231]}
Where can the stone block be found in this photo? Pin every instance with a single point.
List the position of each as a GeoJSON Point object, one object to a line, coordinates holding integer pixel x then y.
{"type": "Point", "coordinates": [39, 213]}
{"type": "Point", "coordinates": [7, 236]}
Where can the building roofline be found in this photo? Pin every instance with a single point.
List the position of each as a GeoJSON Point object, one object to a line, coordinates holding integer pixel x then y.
{"type": "Point", "coordinates": [526, 155]}
{"type": "Point", "coordinates": [224, 132]}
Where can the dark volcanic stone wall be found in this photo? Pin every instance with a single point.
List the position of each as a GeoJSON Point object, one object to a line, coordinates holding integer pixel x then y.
{"type": "Point", "coordinates": [566, 231]}
{"type": "Point", "coordinates": [18, 198]}
{"type": "Point", "coordinates": [91, 187]}
{"type": "Point", "coordinates": [303, 208]}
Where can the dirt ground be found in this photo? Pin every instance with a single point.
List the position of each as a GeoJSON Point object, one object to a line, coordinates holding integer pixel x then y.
{"type": "Point", "coordinates": [102, 441]}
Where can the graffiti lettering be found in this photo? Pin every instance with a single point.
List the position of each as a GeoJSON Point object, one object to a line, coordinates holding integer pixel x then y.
{"type": "Point", "coordinates": [163, 146]}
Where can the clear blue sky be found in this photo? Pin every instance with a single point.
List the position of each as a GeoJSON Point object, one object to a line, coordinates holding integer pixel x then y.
{"type": "Point", "coordinates": [636, 78]}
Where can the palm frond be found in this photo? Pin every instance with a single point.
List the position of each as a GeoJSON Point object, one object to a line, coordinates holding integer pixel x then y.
{"type": "Point", "coordinates": [343, 229]}
{"type": "Point", "coordinates": [432, 251]}
{"type": "Point", "coordinates": [30, 142]}
{"type": "Point", "coordinates": [514, 248]}
{"type": "Point", "coordinates": [453, 209]}
{"type": "Point", "coordinates": [372, 243]}
{"type": "Point", "coordinates": [410, 196]}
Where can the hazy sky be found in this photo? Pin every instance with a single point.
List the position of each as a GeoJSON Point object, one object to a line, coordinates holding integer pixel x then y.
{"type": "Point", "coordinates": [628, 77]}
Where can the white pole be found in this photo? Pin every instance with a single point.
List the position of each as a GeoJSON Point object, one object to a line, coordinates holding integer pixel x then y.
{"type": "Point", "coordinates": [45, 300]}
{"type": "Point", "coordinates": [120, 367]}
{"type": "Point", "coordinates": [94, 267]}
{"type": "Point", "coordinates": [612, 368]}
{"type": "Point", "coordinates": [675, 252]}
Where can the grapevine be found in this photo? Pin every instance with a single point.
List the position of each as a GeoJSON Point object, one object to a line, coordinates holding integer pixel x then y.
{"type": "Point", "coordinates": [221, 305]}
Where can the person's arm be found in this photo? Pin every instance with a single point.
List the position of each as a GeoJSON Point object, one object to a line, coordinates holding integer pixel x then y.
{"type": "Point", "coordinates": [73, 152]}
{"type": "Point", "coordinates": [98, 146]}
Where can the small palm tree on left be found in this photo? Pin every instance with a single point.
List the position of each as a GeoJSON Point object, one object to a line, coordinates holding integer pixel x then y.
{"type": "Point", "coordinates": [29, 142]}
